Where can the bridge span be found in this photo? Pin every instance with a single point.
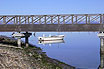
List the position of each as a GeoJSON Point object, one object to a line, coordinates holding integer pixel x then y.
{"type": "Point", "coordinates": [52, 23]}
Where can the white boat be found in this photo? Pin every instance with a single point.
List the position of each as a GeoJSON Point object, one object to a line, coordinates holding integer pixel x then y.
{"type": "Point", "coordinates": [50, 38]}
{"type": "Point", "coordinates": [51, 42]}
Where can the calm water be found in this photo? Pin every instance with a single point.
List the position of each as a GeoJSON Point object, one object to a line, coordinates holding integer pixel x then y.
{"type": "Point", "coordinates": [80, 49]}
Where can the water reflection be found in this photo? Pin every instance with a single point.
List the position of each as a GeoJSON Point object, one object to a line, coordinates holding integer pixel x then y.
{"type": "Point", "coordinates": [51, 42]}
{"type": "Point", "coordinates": [101, 66]}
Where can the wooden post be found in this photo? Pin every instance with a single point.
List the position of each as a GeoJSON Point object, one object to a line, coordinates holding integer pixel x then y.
{"type": "Point", "coordinates": [26, 41]}
{"type": "Point", "coordinates": [88, 19]}
{"type": "Point", "coordinates": [76, 19]}
{"type": "Point", "coordinates": [58, 19]}
{"type": "Point", "coordinates": [16, 20]}
{"type": "Point", "coordinates": [28, 20]}
{"type": "Point", "coordinates": [27, 35]}
{"type": "Point", "coordinates": [45, 19]}
{"type": "Point", "coordinates": [32, 20]}
{"type": "Point", "coordinates": [72, 19]}
{"type": "Point", "coordinates": [100, 19]}
{"type": "Point", "coordinates": [4, 19]}
{"type": "Point", "coordinates": [51, 19]}
{"type": "Point", "coordinates": [39, 19]}
{"type": "Point", "coordinates": [63, 19]}
{"type": "Point", "coordinates": [25, 20]}
{"type": "Point", "coordinates": [19, 19]}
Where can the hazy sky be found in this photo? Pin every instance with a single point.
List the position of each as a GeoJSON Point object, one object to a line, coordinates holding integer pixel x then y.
{"type": "Point", "coordinates": [51, 6]}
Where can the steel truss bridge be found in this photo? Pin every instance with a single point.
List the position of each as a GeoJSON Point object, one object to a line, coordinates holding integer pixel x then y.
{"type": "Point", "coordinates": [52, 23]}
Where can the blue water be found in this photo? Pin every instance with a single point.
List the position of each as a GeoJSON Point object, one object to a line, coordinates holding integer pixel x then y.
{"type": "Point", "coordinates": [81, 49]}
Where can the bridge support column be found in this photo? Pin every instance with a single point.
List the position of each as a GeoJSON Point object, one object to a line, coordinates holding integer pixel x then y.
{"type": "Point", "coordinates": [102, 44]}
{"type": "Point", "coordinates": [27, 35]}
{"type": "Point", "coordinates": [101, 36]}
{"type": "Point", "coordinates": [18, 36]}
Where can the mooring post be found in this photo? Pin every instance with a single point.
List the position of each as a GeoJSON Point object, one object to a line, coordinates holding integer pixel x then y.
{"type": "Point", "coordinates": [26, 41]}
{"type": "Point", "coordinates": [27, 35]}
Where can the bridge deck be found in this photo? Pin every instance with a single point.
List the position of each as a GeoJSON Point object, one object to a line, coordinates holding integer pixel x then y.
{"type": "Point", "coordinates": [51, 27]}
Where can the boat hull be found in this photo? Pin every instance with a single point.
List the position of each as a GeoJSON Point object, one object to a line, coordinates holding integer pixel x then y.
{"type": "Point", "coordinates": [50, 38]}
{"type": "Point", "coordinates": [51, 42]}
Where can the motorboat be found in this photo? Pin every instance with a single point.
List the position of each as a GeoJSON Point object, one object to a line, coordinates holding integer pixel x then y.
{"type": "Point", "coordinates": [51, 38]}
{"type": "Point", "coordinates": [51, 42]}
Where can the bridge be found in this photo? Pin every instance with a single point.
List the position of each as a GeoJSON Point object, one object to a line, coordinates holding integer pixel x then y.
{"type": "Point", "coordinates": [52, 23]}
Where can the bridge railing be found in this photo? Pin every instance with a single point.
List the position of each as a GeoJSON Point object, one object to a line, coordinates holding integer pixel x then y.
{"type": "Point", "coordinates": [53, 19]}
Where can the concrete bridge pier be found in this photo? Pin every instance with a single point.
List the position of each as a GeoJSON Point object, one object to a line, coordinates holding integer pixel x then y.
{"type": "Point", "coordinates": [18, 36]}
{"type": "Point", "coordinates": [102, 44]}
{"type": "Point", "coordinates": [22, 35]}
{"type": "Point", "coordinates": [101, 36]}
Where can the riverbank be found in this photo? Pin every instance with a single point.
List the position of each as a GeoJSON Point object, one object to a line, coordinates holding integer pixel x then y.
{"type": "Point", "coordinates": [30, 57]}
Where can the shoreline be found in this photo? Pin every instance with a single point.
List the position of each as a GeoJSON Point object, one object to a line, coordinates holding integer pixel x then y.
{"type": "Point", "coordinates": [37, 58]}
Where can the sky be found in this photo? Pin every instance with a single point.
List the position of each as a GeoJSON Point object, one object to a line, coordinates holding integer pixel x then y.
{"type": "Point", "coordinates": [32, 7]}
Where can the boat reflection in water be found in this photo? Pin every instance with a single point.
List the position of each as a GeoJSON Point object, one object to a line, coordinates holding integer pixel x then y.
{"type": "Point", "coordinates": [51, 42]}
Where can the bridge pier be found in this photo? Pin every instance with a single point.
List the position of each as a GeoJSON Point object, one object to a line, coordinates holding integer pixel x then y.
{"type": "Point", "coordinates": [101, 36]}
{"type": "Point", "coordinates": [22, 35]}
{"type": "Point", "coordinates": [102, 44]}
{"type": "Point", "coordinates": [18, 36]}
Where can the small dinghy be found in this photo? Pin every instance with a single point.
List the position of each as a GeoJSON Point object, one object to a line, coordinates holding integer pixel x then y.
{"type": "Point", "coordinates": [51, 38]}
{"type": "Point", "coordinates": [51, 42]}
